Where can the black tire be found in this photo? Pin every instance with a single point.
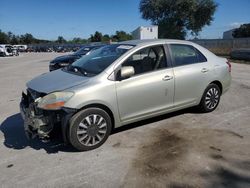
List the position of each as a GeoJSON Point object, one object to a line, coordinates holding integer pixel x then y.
{"type": "Point", "coordinates": [81, 118]}
{"type": "Point", "coordinates": [208, 105]}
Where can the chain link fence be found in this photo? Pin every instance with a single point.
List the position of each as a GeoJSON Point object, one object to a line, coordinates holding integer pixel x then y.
{"type": "Point", "coordinates": [224, 46]}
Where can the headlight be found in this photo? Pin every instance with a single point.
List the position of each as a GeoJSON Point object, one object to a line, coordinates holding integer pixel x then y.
{"type": "Point", "coordinates": [54, 101]}
{"type": "Point", "coordinates": [64, 64]}
{"type": "Point", "coordinates": [52, 62]}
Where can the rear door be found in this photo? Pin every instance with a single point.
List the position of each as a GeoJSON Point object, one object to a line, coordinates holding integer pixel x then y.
{"type": "Point", "coordinates": [192, 74]}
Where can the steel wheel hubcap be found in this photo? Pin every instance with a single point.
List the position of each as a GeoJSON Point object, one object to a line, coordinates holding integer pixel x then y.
{"type": "Point", "coordinates": [212, 98]}
{"type": "Point", "coordinates": [91, 130]}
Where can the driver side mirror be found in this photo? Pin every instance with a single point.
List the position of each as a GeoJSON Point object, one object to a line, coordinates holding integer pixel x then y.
{"type": "Point", "coordinates": [127, 72]}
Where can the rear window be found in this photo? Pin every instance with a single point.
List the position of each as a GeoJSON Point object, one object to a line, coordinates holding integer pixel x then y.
{"type": "Point", "coordinates": [185, 54]}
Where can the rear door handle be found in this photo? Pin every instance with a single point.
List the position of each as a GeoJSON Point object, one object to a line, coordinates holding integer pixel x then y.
{"type": "Point", "coordinates": [166, 78]}
{"type": "Point", "coordinates": [204, 70]}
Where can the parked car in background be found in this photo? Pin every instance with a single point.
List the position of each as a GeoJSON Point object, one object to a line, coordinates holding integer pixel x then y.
{"type": "Point", "coordinates": [20, 47]}
{"type": "Point", "coordinates": [15, 51]}
{"type": "Point", "coordinates": [6, 50]}
{"type": "Point", "coordinates": [42, 49]}
{"type": "Point", "coordinates": [241, 54]}
{"type": "Point", "coordinates": [120, 84]}
{"type": "Point", "coordinates": [60, 49]}
{"type": "Point", "coordinates": [74, 49]}
{"type": "Point", "coordinates": [30, 49]}
{"type": "Point", "coordinates": [63, 61]}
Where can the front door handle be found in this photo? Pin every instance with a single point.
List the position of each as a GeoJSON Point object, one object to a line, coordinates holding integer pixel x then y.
{"type": "Point", "coordinates": [204, 70]}
{"type": "Point", "coordinates": [167, 77]}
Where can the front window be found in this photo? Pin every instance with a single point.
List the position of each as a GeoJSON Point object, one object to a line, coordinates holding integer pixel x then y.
{"type": "Point", "coordinates": [147, 59]}
{"type": "Point", "coordinates": [95, 62]}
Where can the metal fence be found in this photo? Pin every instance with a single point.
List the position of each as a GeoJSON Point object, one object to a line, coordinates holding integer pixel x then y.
{"type": "Point", "coordinates": [224, 46]}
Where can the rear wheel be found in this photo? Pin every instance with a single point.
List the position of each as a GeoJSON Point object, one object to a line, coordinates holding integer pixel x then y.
{"type": "Point", "coordinates": [210, 98]}
{"type": "Point", "coordinates": [89, 129]}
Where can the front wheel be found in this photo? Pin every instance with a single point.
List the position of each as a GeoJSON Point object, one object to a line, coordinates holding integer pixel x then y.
{"type": "Point", "coordinates": [210, 98]}
{"type": "Point", "coordinates": [89, 129]}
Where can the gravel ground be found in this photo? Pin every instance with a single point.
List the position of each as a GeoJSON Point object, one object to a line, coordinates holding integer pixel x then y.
{"type": "Point", "coordinates": [183, 149]}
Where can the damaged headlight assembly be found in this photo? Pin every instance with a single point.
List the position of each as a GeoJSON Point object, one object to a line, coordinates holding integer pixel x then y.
{"type": "Point", "coordinates": [54, 101]}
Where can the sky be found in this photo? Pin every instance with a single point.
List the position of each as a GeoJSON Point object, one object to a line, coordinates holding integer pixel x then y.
{"type": "Point", "coordinates": [48, 19]}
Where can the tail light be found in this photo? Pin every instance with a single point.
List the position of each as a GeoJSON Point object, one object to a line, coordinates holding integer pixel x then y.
{"type": "Point", "coordinates": [229, 66]}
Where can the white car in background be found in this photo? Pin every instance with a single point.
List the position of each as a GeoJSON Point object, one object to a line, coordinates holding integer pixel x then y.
{"type": "Point", "coordinates": [21, 47]}
{"type": "Point", "coordinates": [6, 50]}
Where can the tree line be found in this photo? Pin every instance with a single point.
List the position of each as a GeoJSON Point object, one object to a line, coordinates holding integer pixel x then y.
{"type": "Point", "coordinates": [242, 32]}
{"type": "Point", "coordinates": [11, 38]}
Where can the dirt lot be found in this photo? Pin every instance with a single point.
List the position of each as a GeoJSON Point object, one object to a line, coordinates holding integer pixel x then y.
{"type": "Point", "coordinates": [183, 149]}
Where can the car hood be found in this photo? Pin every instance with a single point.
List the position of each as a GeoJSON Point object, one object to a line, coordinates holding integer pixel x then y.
{"type": "Point", "coordinates": [55, 81]}
{"type": "Point", "coordinates": [66, 57]}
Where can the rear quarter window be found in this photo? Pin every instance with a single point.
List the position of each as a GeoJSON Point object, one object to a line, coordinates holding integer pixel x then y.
{"type": "Point", "coordinates": [183, 54]}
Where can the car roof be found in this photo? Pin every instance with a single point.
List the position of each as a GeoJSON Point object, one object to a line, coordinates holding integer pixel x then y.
{"type": "Point", "coordinates": [5, 45]}
{"type": "Point", "coordinates": [154, 41]}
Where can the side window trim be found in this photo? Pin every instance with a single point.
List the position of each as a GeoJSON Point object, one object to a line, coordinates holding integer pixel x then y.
{"type": "Point", "coordinates": [168, 54]}
{"type": "Point", "coordinates": [200, 53]}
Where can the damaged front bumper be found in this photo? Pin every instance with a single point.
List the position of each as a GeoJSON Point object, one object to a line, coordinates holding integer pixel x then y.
{"type": "Point", "coordinates": [40, 123]}
{"type": "Point", "coordinates": [35, 125]}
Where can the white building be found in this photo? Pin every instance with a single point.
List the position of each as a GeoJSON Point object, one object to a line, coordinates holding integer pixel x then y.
{"type": "Point", "coordinates": [150, 32]}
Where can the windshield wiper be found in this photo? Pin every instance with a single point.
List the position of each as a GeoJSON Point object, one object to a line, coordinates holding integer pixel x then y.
{"type": "Point", "coordinates": [80, 70]}
{"type": "Point", "coordinates": [76, 69]}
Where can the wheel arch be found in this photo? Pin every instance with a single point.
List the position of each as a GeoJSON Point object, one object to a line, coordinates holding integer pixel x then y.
{"type": "Point", "coordinates": [219, 84]}
{"type": "Point", "coordinates": [103, 107]}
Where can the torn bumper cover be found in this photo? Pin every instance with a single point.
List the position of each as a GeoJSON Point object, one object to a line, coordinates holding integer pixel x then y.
{"type": "Point", "coordinates": [35, 125]}
{"type": "Point", "coordinates": [40, 123]}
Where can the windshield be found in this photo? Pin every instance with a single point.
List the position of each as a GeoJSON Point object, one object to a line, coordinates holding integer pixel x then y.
{"type": "Point", "coordinates": [82, 51]}
{"type": "Point", "coordinates": [95, 62]}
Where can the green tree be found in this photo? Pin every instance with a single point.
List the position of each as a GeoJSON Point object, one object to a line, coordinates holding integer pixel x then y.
{"type": "Point", "coordinates": [121, 36]}
{"type": "Point", "coordinates": [78, 40]}
{"type": "Point", "coordinates": [14, 40]}
{"type": "Point", "coordinates": [176, 18]}
{"type": "Point", "coordinates": [106, 38]}
{"type": "Point", "coordinates": [4, 39]}
{"type": "Point", "coordinates": [10, 35]}
{"type": "Point", "coordinates": [27, 39]}
{"type": "Point", "coordinates": [242, 32]}
{"type": "Point", "coordinates": [61, 40]}
{"type": "Point", "coordinates": [97, 37]}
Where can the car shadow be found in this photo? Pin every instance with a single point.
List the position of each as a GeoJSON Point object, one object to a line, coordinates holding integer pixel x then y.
{"type": "Point", "coordinates": [225, 177]}
{"type": "Point", "coordinates": [155, 119]}
{"type": "Point", "coordinates": [15, 138]}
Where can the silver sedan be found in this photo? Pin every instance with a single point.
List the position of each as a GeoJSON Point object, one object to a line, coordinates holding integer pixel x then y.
{"type": "Point", "coordinates": [120, 84]}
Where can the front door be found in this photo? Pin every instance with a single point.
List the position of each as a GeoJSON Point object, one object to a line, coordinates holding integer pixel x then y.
{"type": "Point", "coordinates": [150, 90]}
